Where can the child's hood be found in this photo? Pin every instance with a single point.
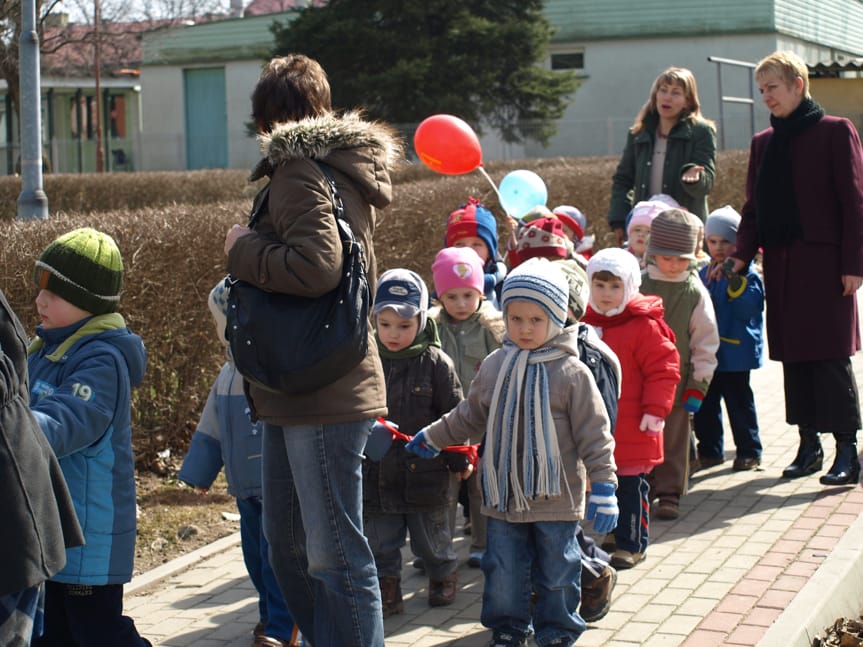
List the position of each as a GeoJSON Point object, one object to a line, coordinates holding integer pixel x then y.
{"type": "Point", "coordinates": [647, 305]}
{"type": "Point", "coordinates": [109, 328]}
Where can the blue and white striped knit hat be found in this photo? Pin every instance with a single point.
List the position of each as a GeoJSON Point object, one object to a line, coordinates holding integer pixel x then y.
{"type": "Point", "coordinates": [539, 281]}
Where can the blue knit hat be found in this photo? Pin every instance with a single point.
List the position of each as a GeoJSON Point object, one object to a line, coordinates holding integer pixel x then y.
{"type": "Point", "coordinates": [472, 219]}
{"type": "Point", "coordinates": [405, 293]}
{"type": "Point", "coordinates": [539, 281]}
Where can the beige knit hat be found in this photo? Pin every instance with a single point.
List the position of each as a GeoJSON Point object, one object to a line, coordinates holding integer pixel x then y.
{"type": "Point", "coordinates": [673, 233]}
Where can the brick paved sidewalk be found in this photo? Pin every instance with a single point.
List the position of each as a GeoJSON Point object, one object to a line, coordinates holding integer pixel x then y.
{"type": "Point", "coordinates": [744, 546]}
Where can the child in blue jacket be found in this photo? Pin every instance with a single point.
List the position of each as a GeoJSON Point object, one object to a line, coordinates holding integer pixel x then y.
{"type": "Point", "coordinates": [227, 437]}
{"type": "Point", "coordinates": [83, 365]}
{"type": "Point", "coordinates": [739, 301]}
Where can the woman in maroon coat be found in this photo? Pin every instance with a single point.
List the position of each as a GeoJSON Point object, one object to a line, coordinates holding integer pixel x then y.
{"type": "Point", "coordinates": [804, 208]}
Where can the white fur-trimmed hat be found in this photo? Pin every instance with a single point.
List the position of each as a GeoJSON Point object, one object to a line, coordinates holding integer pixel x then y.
{"type": "Point", "coordinates": [624, 266]}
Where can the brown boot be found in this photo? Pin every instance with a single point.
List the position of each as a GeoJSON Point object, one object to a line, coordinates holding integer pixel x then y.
{"type": "Point", "coordinates": [391, 595]}
{"type": "Point", "coordinates": [442, 592]}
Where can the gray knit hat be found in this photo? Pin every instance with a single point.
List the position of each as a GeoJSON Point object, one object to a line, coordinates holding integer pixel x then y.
{"type": "Point", "coordinates": [673, 233]}
{"type": "Point", "coordinates": [723, 223]}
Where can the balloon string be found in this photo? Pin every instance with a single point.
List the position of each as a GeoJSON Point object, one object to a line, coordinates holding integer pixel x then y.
{"type": "Point", "coordinates": [497, 193]}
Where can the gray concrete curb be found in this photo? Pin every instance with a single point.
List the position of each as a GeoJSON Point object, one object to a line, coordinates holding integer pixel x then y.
{"type": "Point", "coordinates": [834, 591]}
{"type": "Point", "coordinates": [150, 579]}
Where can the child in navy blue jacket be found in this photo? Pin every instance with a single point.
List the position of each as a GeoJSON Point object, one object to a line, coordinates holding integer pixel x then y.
{"type": "Point", "coordinates": [226, 436]}
{"type": "Point", "coordinates": [739, 301]}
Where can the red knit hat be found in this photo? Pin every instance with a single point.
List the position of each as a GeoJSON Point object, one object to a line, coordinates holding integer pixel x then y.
{"type": "Point", "coordinates": [572, 218]}
{"type": "Point", "coordinates": [472, 219]}
{"type": "Point", "coordinates": [543, 238]}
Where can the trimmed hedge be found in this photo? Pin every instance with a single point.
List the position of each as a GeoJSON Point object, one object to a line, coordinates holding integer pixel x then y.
{"type": "Point", "coordinates": [173, 253]}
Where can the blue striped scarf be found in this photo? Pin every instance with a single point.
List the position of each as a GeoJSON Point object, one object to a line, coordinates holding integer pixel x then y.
{"type": "Point", "coordinates": [521, 399]}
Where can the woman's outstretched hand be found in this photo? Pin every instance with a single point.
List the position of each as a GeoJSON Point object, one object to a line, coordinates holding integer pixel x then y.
{"type": "Point", "coordinates": [692, 174]}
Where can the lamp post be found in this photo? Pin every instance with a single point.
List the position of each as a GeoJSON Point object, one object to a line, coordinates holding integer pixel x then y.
{"type": "Point", "coordinates": [100, 151]}
{"type": "Point", "coordinates": [32, 201]}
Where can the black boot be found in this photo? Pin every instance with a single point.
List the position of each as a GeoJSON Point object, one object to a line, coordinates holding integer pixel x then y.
{"type": "Point", "coordinates": [810, 456]}
{"type": "Point", "coordinates": [846, 465]}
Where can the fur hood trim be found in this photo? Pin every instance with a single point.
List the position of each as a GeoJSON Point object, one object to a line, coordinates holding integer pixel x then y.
{"type": "Point", "coordinates": [317, 137]}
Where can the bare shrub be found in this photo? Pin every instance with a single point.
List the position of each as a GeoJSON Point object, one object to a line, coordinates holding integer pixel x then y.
{"type": "Point", "coordinates": [174, 255]}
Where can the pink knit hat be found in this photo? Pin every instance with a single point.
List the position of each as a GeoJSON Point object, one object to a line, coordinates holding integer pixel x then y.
{"type": "Point", "coordinates": [644, 212]}
{"type": "Point", "coordinates": [457, 267]}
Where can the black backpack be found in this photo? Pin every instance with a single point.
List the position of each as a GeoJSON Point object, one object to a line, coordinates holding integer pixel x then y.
{"type": "Point", "coordinates": [604, 373]}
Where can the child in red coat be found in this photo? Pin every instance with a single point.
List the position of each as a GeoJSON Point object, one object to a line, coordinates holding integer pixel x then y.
{"type": "Point", "coordinates": [632, 325]}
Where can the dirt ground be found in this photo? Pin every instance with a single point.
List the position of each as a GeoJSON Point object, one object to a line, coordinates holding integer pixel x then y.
{"type": "Point", "coordinates": [174, 519]}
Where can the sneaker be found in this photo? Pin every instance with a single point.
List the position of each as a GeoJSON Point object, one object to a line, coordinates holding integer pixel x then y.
{"type": "Point", "coordinates": [746, 463]}
{"type": "Point", "coordinates": [596, 596]}
{"type": "Point", "coordinates": [474, 560]}
{"type": "Point", "coordinates": [420, 565]}
{"type": "Point", "coordinates": [668, 507]}
{"type": "Point", "coordinates": [624, 559]}
{"type": "Point", "coordinates": [503, 639]}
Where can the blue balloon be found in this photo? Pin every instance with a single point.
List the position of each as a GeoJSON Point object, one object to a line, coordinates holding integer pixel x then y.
{"type": "Point", "coordinates": [520, 191]}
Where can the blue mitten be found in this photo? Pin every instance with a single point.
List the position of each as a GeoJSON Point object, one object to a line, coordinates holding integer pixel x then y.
{"type": "Point", "coordinates": [602, 507]}
{"type": "Point", "coordinates": [692, 399]}
{"type": "Point", "coordinates": [422, 446]}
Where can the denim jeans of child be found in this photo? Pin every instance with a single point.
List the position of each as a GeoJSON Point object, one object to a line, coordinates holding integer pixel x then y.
{"type": "Point", "coordinates": [312, 480]}
{"type": "Point", "coordinates": [541, 557]}
{"type": "Point", "coordinates": [272, 610]}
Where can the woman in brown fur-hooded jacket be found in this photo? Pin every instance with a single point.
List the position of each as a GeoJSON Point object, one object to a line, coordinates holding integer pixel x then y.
{"type": "Point", "coordinates": [313, 443]}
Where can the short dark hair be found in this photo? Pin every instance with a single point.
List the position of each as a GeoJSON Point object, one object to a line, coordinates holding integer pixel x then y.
{"type": "Point", "coordinates": [604, 275]}
{"type": "Point", "coordinates": [290, 88]}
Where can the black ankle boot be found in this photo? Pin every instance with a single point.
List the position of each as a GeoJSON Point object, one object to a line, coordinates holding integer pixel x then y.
{"type": "Point", "coordinates": [810, 455]}
{"type": "Point", "coordinates": [846, 465]}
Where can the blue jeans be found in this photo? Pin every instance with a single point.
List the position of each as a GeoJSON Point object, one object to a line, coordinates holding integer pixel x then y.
{"type": "Point", "coordinates": [733, 387]}
{"type": "Point", "coordinates": [541, 557]}
{"type": "Point", "coordinates": [312, 480]}
{"type": "Point", "coordinates": [272, 610]}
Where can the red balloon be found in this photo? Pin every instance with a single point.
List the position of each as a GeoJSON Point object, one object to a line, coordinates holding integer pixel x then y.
{"type": "Point", "coordinates": [447, 145]}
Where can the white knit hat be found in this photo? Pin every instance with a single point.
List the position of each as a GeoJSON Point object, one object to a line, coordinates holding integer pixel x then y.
{"type": "Point", "coordinates": [624, 266]}
{"type": "Point", "coordinates": [539, 281]}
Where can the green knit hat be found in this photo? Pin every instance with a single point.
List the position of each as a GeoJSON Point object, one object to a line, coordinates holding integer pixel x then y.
{"type": "Point", "coordinates": [85, 268]}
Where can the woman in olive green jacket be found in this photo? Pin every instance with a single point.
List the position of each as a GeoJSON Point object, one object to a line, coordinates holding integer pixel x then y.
{"type": "Point", "coordinates": [670, 149]}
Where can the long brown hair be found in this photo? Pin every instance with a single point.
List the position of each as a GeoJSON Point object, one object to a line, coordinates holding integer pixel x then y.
{"type": "Point", "coordinates": [683, 78]}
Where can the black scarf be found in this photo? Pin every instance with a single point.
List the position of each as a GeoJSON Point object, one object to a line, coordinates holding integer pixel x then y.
{"type": "Point", "coordinates": [776, 211]}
